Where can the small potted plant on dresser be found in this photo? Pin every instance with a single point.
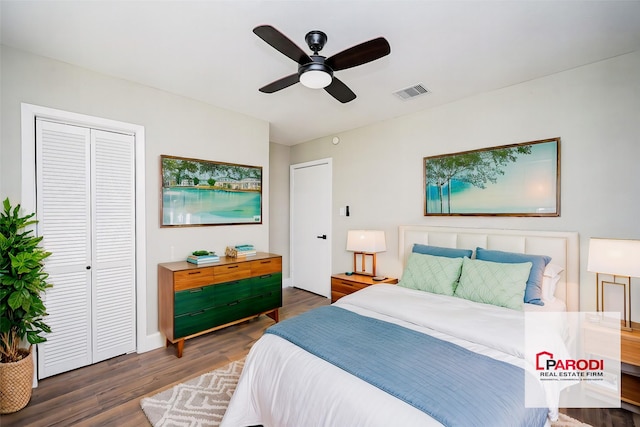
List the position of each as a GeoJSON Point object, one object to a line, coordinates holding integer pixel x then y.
{"type": "Point", "coordinates": [22, 282]}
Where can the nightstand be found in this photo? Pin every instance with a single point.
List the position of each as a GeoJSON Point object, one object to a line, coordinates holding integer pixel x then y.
{"type": "Point", "coordinates": [598, 341]}
{"type": "Point", "coordinates": [342, 285]}
{"type": "Point", "coordinates": [630, 367]}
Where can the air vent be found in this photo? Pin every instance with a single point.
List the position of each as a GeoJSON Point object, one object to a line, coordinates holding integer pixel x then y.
{"type": "Point", "coordinates": [412, 92]}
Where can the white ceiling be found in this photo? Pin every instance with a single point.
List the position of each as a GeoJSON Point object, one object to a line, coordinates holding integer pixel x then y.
{"type": "Point", "coordinates": [206, 50]}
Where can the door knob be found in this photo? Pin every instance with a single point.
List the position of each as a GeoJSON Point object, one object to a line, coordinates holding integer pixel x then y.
{"type": "Point", "coordinates": [324, 237]}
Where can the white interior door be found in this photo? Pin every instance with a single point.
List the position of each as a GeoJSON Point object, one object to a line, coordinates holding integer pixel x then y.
{"type": "Point", "coordinates": [86, 211]}
{"type": "Point", "coordinates": [311, 226]}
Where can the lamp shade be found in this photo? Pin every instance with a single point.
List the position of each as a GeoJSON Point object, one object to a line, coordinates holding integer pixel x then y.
{"type": "Point", "coordinates": [618, 257]}
{"type": "Point", "coordinates": [370, 241]}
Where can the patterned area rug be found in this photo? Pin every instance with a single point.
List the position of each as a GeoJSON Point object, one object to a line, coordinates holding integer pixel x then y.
{"type": "Point", "coordinates": [203, 401]}
{"type": "Point", "coordinates": [567, 421]}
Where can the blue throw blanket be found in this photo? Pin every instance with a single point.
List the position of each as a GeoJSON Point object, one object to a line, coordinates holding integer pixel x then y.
{"type": "Point", "coordinates": [455, 386]}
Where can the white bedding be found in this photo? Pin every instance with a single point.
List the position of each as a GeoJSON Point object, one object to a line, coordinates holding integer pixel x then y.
{"type": "Point", "coordinates": [283, 385]}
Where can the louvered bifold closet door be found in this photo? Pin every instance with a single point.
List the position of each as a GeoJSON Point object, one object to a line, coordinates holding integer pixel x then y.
{"type": "Point", "coordinates": [64, 214]}
{"type": "Point", "coordinates": [85, 205]}
{"type": "Point", "coordinates": [113, 266]}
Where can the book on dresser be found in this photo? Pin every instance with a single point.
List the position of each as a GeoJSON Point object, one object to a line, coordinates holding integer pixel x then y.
{"type": "Point", "coordinates": [203, 259]}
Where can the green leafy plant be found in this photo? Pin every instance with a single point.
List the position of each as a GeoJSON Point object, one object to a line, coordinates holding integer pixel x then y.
{"type": "Point", "coordinates": [22, 282]}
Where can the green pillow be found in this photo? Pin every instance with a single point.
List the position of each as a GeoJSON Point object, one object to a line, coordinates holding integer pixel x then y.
{"type": "Point", "coordinates": [494, 283]}
{"type": "Point", "coordinates": [435, 274]}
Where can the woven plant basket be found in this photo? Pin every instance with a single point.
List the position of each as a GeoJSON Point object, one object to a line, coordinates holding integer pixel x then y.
{"type": "Point", "coordinates": [16, 384]}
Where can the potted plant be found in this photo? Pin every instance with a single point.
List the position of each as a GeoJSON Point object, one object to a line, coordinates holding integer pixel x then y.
{"type": "Point", "coordinates": [22, 283]}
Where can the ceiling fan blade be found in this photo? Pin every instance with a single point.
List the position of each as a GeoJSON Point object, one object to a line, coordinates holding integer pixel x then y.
{"type": "Point", "coordinates": [281, 43]}
{"type": "Point", "coordinates": [280, 83]}
{"type": "Point", "coordinates": [359, 54]}
{"type": "Point", "coordinates": [340, 91]}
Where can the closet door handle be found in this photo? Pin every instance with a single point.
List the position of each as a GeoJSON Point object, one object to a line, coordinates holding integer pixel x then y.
{"type": "Point", "coordinates": [324, 237]}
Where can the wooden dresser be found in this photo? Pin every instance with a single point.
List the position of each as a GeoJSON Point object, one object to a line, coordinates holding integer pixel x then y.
{"type": "Point", "coordinates": [197, 299]}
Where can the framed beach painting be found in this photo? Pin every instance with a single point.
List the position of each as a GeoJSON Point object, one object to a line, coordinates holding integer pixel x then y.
{"type": "Point", "coordinates": [509, 180]}
{"type": "Point", "coordinates": [202, 192]}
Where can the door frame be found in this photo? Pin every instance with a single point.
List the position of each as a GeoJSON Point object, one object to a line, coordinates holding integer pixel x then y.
{"type": "Point", "coordinates": [29, 112]}
{"type": "Point", "coordinates": [329, 162]}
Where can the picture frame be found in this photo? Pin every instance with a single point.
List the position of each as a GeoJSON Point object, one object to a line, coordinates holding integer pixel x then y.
{"type": "Point", "coordinates": [198, 192]}
{"type": "Point", "coordinates": [509, 180]}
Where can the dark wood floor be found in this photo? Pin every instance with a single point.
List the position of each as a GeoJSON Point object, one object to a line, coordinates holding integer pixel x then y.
{"type": "Point", "coordinates": [109, 393]}
{"type": "Point", "coordinates": [612, 417]}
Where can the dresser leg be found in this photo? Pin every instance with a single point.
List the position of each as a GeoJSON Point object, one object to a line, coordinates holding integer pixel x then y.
{"type": "Point", "coordinates": [274, 315]}
{"type": "Point", "coordinates": [179, 347]}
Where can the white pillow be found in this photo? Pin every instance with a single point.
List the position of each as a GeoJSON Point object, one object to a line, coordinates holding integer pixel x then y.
{"type": "Point", "coordinates": [550, 280]}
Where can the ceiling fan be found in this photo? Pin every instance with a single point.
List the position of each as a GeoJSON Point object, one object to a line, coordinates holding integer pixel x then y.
{"type": "Point", "coordinates": [316, 71]}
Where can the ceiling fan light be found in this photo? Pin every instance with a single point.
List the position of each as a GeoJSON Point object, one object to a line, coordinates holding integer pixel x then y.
{"type": "Point", "coordinates": [315, 79]}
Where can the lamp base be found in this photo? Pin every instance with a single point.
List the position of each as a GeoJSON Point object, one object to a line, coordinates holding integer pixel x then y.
{"type": "Point", "coordinates": [378, 278]}
{"type": "Point", "coordinates": [362, 273]}
{"type": "Point", "coordinates": [363, 263]}
{"type": "Point", "coordinates": [618, 281]}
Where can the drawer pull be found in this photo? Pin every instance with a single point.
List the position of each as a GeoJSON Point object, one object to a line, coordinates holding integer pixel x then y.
{"type": "Point", "coordinates": [234, 303]}
{"type": "Point", "coordinates": [347, 283]}
{"type": "Point", "coordinates": [265, 262]}
{"type": "Point", "coordinates": [195, 272]}
{"type": "Point", "coordinates": [232, 266]}
{"type": "Point", "coordinates": [197, 313]}
{"type": "Point", "coordinates": [266, 276]}
{"type": "Point", "coordinates": [195, 290]}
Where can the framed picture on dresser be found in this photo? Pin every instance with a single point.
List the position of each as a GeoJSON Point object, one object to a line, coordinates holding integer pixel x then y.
{"type": "Point", "coordinates": [204, 192]}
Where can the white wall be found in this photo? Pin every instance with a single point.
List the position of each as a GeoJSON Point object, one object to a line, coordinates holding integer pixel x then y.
{"type": "Point", "coordinates": [595, 110]}
{"type": "Point", "coordinates": [174, 125]}
{"type": "Point", "coordinates": [279, 205]}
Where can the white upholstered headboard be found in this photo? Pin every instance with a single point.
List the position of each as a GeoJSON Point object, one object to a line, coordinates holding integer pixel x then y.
{"type": "Point", "coordinates": [563, 248]}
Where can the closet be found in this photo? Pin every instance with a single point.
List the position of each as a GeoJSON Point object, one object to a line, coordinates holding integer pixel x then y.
{"type": "Point", "coordinates": [85, 205]}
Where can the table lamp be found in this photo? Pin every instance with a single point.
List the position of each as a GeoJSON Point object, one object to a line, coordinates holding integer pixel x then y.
{"type": "Point", "coordinates": [619, 258]}
{"type": "Point", "coordinates": [365, 243]}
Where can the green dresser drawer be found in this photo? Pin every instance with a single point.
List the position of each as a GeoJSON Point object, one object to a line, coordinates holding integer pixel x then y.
{"type": "Point", "coordinates": [265, 302]}
{"type": "Point", "coordinates": [193, 300]}
{"type": "Point", "coordinates": [191, 323]}
{"type": "Point", "coordinates": [194, 322]}
{"type": "Point", "coordinates": [266, 283]}
{"type": "Point", "coordinates": [230, 292]}
{"type": "Point", "coordinates": [229, 313]}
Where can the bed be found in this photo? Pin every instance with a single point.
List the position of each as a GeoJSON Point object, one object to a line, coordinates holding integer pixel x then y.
{"type": "Point", "coordinates": [402, 355]}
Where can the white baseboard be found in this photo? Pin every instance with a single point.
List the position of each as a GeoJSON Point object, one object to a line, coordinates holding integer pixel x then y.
{"type": "Point", "coordinates": [151, 342]}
